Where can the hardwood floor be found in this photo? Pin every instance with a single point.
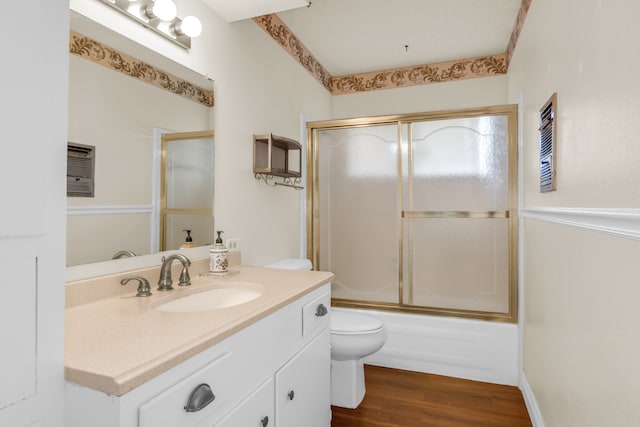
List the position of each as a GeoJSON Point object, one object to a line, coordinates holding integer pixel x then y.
{"type": "Point", "coordinates": [397, 398]}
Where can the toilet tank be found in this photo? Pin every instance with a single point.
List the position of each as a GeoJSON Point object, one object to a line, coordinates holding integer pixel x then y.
{"type": "Point", "coordinates": [292, 264]}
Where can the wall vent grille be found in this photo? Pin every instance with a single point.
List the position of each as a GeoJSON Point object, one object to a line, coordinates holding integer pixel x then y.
{"type": "Point", "coordinates": [80, 170]}
{"type": "Point", "coordinates": [548, 145]}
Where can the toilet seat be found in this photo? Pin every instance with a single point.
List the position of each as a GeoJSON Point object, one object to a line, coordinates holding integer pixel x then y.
{"type": "Point", "coordinates": [346, 323]}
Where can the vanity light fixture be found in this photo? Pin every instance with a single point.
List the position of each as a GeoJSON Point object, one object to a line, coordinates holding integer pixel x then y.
{"type": "Point", "coordinates": [160, 16]}
{"type": "Point", "coordinates": [165, 10]}
{"type": "Point", "coordinates": [190, 26]}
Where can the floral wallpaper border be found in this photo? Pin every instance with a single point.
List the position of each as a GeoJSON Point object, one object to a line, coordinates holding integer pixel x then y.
{"type": "Point", "coordinates": [419, 75]}
{"type": "Point", "coordinates": [106, 56]}
{"type": "Point", "coordinates": [463, 69]}
{"type": "Point", "coordinates": [513, 40]}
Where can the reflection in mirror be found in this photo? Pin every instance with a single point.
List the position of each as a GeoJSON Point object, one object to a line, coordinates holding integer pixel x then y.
{"type": "Point", "coordinates": [120, 114]}
{"type": "Point", "coordinates": [186, 189]}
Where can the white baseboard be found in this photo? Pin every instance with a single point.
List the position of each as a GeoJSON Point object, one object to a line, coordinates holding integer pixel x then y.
{"type": "Point", "coordinates": [530, 400]}
{"type": "Point", "coordinates": [461, 348]}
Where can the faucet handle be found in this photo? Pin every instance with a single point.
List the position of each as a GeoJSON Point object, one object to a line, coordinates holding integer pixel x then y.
{"type": "Point", "coordinates": [144, 290]}
{"type": "Point", "coordinates": [185, 279]}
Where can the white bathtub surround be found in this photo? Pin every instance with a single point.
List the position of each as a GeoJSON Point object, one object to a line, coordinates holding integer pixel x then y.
{"type": "Point", "coordinates": [470, 349]}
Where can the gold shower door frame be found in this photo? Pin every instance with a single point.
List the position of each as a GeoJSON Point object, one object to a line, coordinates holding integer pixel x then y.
{"type": "Point", "coordinates": [313, 208]}
{"type": "Point", "coordinates": [166, 211]}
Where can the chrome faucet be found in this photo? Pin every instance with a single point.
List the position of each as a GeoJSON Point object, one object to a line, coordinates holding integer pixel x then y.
{"type": "Point", "coordinates": [165, 282]}
{"type": "Point", "coordinates": [123, 254]}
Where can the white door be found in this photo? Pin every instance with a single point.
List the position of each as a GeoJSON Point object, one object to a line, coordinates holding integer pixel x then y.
{"type": "Point", "coordinates": [32, 217]}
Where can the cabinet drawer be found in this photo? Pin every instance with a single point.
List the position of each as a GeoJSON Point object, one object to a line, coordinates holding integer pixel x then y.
{"type": "Point", "coordinates": [169, 407]}
{"type": "Point", "coordinates": [315, 314]}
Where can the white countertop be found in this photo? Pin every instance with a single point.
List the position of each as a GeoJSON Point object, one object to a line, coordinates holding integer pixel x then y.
{"type": "Point", "coordinates": [116, 343]}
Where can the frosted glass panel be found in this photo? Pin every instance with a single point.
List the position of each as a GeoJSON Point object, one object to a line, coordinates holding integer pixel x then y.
{"type": "Point", "coordinates": [189, 174]}
{"type": "Point", "coordinates": [460, 164]}
{"type": "Point", "coordinates": [460, 264]}
{"type": "Point", "coordinates": [358, 213]}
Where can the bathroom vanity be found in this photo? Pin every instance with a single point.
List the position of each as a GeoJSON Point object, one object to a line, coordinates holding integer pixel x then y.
{"type": "Point", "coordinates": [262, 362]}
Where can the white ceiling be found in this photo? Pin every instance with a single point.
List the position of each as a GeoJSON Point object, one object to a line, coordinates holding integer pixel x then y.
{"type": "Point", "coordinates": [355, 36]}
{"type": "Point", "coordinates": [236, 10]}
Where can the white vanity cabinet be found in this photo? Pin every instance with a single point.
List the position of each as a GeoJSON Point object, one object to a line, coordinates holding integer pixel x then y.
{"type": "Point", "coordinates": [247, 379]}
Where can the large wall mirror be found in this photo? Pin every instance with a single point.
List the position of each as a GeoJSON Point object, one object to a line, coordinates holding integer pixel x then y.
{"type": "Point", "coordinates": [125, 118]}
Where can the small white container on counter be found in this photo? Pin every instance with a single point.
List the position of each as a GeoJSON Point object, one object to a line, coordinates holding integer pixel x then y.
{"type": "Point", "coordinates": [218, 257]}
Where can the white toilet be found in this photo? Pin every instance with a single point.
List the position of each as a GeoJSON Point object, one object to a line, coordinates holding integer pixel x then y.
{"type": "Point", "coordinates": [354, 336]}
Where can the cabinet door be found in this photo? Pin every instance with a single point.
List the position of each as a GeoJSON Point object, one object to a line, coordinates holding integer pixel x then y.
{"type": "Point", "coordinates": [17, 328]}
{"type": "Point", "coordinates": [303, 386]}
{"type": "Point", "coordinates": [255, 411]}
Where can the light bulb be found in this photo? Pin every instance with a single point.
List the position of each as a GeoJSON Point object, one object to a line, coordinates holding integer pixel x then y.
{"type": "Point", "coordinates": [190, 26]}
{"type": "Point", "coordinates": [164, 9]}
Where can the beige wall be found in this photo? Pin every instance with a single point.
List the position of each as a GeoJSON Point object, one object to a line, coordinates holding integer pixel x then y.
{"type": "Point", "coordinates": [581, 297]}
{"type": "Point", "coordinates": [588, 53]}
{"type": "Point", "coordinates": [581, 316]}
{"type": "Point", "coordinates": [258, 89]}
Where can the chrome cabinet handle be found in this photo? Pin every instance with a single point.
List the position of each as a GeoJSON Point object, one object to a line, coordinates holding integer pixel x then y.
{"type": "Point", "coordinates": [265, 421]}
{"type": "Point", "coordinates": [291, 394]}
{"type": "Point", "coordinates": [200, 397]}
{"type": "Point", "coordinates": [321, 310]}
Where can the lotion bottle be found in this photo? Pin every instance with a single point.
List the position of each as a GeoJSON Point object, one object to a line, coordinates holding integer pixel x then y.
{"type": "Point", "coordinates": [188, 242]}
{"type": "Point", "coordinates": [218, 257]}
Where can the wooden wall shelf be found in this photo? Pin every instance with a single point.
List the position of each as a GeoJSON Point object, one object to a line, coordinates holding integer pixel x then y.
{"type": "Point", "coordinates": [277, 156]}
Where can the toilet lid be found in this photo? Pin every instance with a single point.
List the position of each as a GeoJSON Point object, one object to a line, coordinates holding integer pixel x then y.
{"type": "Point", "coordinates": [348, 322]}
{"type": "Point", "coordinates": [292, 264]}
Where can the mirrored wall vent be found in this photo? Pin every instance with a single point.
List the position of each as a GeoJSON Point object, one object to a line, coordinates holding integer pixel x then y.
{"type": "Point", "coordinates": [80, 170]}
{"type": "Point", "coordinates": [548, 145]}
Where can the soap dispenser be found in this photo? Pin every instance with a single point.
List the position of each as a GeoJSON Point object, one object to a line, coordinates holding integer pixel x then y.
{"type": "Point", "coordinates": [218, 257]}
{"type": "Point", "coordinates": [188, 242]}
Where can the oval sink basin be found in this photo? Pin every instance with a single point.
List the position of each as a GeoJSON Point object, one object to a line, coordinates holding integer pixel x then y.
{"type": "Point", "coordinates": [212, 297]}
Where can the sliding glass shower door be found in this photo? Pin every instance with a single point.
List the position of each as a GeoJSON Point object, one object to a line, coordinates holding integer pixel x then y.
{"type": "Point", "coordinates": [418, 213]}
{"type": "Point", "coordinates": [186, 189]}
{"type": "Point", "coordinates": [358, 211]}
